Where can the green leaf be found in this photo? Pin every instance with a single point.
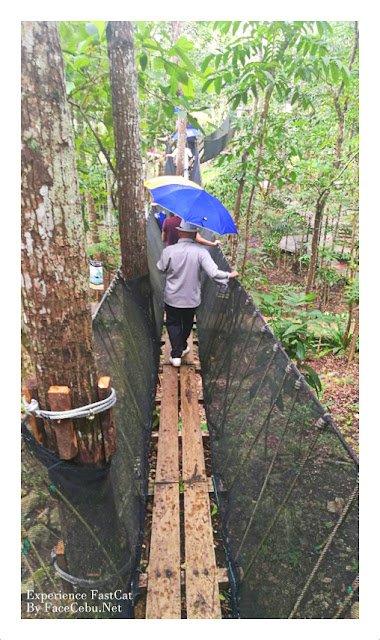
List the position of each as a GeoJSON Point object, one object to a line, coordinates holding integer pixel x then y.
{"type": "Point", "coordinates": [295, 97]}
{"type": "Point", "coordinates": [221, 597]}
{"type": "Point", "coordinates": [345, 72]}
{"type": "Point", "coordinates": [70, 86]}
{"type": "Point", "coordinates": [320, 28]}
{"type": "Point", "coordinates": [81, 62]}
{"type": "Point", "coordinates": [205, 62]}
{"type": "Point", "coordinates": [207, 84]}
{"type": "Point", "coordinates": [235, 27]}
{"type": "Point", "coordinates": [185, 102]}
{"type": "Point", "coordinates": [334, 71]}
{"type": "Point", "coordinates": [294, 328]}
{"type": "Point", "coordinates": [218, 84]}
{"type": "Point", "coordinates": [300, 351]}
{"type": "Point", "coordinates": [236, 102]}
{"type": "Point", "coordinates": [194, 122]}
{"type": "Point", "coordinates": [280, 182]}
{"type": "Point", "coordinates": [143, 61]}
{"type": "Point", "coordinates": [293, 176]}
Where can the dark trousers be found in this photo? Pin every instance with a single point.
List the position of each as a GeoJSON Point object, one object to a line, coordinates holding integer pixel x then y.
{"type": "Point", "coordinates": [179, 323]}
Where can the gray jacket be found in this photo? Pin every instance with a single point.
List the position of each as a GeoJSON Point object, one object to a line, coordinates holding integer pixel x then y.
{"type": "Point", "coordinates": [182, 263]}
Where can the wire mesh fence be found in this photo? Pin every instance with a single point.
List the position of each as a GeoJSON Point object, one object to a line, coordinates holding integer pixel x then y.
{"type": "Point", "coordinates": [288, 479]}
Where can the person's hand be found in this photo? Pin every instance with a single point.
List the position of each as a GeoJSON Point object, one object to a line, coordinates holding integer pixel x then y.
{"type": "Point", "coordinates": [216, 242]}
{"type": "Point", "coordinates": [233, 274]}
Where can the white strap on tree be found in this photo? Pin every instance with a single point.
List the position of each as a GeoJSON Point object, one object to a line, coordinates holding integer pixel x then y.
{"type": "Point", "coordinates": [86, 411]}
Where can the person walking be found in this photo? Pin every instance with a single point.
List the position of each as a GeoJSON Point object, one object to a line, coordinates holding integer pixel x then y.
{"type": "Point", "coordinates": [183, 264]}
{"type": "Point", "coordinates": [170, 235]}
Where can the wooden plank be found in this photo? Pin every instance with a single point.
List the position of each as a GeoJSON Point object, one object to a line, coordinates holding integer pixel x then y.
{"type": "Point", "coordinates": [202, 592]}
{"type": "Point", "coordinates": [193, 464]}
{"type": "Point", "coordinates": [167, 469]}
{"type": "Point", "coordinates": [222, 575]}
{"type": "Point", "coordinates": [164, 586]}
{"type": "Point", "coordinates": [164, 574]}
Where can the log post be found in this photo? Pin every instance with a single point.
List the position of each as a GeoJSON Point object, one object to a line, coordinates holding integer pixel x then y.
{"type": "Point", "coordinates": [59, 400]}
{"type": "Point", "coordinates": [107, 419]}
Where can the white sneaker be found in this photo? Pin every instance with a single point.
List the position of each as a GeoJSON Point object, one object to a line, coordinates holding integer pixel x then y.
{"type": "Point", "coordinates": [176, 362]}
{"type": "Point", "coordinates": [185, 351]}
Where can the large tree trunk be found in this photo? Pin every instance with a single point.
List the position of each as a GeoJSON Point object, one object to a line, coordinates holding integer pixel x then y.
{"type": "Point", "coordinates": [55, 288]}
{"type": "Point", "coordinates": [128, 148]}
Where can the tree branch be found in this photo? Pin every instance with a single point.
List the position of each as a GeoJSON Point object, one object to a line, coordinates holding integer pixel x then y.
{"type": "Point", "coordinates": [338, 176]}
{"type": "Point", "coordinates": [100, 143]}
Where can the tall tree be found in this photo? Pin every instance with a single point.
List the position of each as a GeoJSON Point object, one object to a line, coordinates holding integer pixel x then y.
{"type": "Point", "coordinates": [341, 104]}
{"type": "Point", "coordinates": [128, 148]}
{"type": "Point", "coordinates": [57, 318]}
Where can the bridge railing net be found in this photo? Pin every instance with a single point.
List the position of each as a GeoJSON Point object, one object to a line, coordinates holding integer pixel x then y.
{"type": "Point", "coordinates": [287, 479]}
{"type": "Point", "coordinates": [102, 508]}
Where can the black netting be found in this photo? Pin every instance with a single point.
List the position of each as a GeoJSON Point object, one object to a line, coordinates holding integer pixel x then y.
{"type": "Point", "coordinates": [102, 509]}
{"type": "Point", "coordinates": [288, 480]}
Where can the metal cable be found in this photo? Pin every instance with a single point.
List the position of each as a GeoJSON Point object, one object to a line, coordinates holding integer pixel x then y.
{"type": "Point", "coordinates": [86, 411]}
{"type": "Point", "coordinates": [325, 549]}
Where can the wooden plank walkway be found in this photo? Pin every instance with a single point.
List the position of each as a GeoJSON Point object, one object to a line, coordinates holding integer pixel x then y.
{"type": "Point", "coordinates": [164, 574]}
{"type": "Point", "coordinates": [202, 590]}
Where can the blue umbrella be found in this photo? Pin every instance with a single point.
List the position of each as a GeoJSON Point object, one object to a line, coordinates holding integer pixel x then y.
{"type": "Point", "coordinates": [191, 132]}
{"type": "Point", "coordinates": [193, 204]}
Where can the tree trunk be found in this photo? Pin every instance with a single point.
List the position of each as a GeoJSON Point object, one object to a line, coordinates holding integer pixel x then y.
{"type": "Point", "coordinates": [128, 148]}
{"type": "Point", "coordinates": [239, 195]}
{"type": "Point", "coordinates": [176, 28]}
{"type": "Point", "coordinates": [321, 202]}
{"type": "Point", "coordinates": [354, 338]}
{"type": "Point", "coordinates": [91, 218]}
{"type": "Point", "coordinates": [263, 123]}
{"type": "Point", "coordinates": [55, 287]}
{"type": "Point", "coordinates": [109, 203]}
{"type": "Point", "coordinates": [55, 293]}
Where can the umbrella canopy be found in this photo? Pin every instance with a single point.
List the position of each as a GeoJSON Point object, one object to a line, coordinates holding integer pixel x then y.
{"type": "Point", "coordinates": [192, 203]}
{"type": "Point", "coordinates": [191, 132]}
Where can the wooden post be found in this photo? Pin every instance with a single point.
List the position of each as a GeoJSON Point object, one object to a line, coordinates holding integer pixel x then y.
{"type": "Point", "coordinates": [31, 393]}
{"type": "Point", "coordinates": [59, 400]}
{"type": "Point", "coordinates": [61, 561]}
{"type": "Point", "coordinates": [107, 419]}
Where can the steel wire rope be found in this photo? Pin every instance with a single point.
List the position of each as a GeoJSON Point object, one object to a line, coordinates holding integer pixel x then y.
{"type": "Point", "coordinates": [251, 405]}
{"type": "Point", "coordinates": [84, 523]}
{"type": "Point", "coordinates": [354, 587]}
{"type": "Point", "coordinates": [275, 517]}
{"type": "Point", "coordinates": [325, 549]}
{"type": "Point", "coordinates": [266, 479]}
